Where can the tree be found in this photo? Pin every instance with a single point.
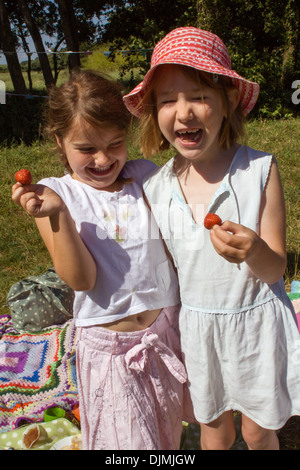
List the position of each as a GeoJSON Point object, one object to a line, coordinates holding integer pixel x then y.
{"type": "Point", "coordinates": [263, 40]}
{"type": "Point", "coordinates": [291, 56]}
{"type": "Point", "coordinates": [26, 49]}
{"type": "Point", "coordinates": [137, 25]}
{"type": "Point", "coordinates": [8, 44]}
{"type": "Point", "coordinates": [38, 42]}
{"type": "Point", "coordinates": [148, 20]}
{"type": "Point", "coordinates": [70, 29]}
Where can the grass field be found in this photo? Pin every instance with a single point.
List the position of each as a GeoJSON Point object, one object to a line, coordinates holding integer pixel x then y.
{"type": "Point", "coordinates": [22, 252]}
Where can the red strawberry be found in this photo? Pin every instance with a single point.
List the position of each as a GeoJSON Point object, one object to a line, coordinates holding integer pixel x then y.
{"type": "Point", "coordinates": [211, 220]}
{"type": "Point", "coordinates": [23, 176]}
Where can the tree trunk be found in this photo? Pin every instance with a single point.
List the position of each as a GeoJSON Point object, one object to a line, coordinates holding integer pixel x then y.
{"type": "Point", "coordinates": [9, 49]}
{"type": "Point", "coordinates": [55, 66]}
{"type": "Point", "coordinates": [70, 30]}
{"type": "Point", "coordinates": [38, 43]}
{"type": "Point", "coordinates": [26, 49]}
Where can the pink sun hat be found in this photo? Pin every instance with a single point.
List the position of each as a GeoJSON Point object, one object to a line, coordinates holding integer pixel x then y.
{"type": "Point", "coordinates": [201, 50]}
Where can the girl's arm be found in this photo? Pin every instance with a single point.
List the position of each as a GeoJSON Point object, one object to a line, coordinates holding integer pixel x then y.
{"type": "Point", "coordinates": [265, 252]}
{"type": "Point", "coordinates": [71, 258]}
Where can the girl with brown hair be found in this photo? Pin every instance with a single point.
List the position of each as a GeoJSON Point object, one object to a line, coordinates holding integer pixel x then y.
{"type": "Point", "coordinates": [100, 235]}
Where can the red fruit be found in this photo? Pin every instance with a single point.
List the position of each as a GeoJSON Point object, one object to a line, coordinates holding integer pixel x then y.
{"type": "Point", "coordinates": [23, 176]}
{"type": "Point", "coordinates": [211, 220]}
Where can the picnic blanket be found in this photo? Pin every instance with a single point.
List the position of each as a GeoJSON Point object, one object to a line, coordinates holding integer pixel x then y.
{"type": "Point", "coordinates": [37, 371]}
{"type": "Point", "coordinates": [52, 435]}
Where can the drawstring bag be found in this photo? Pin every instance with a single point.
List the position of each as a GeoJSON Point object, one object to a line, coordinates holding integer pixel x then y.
{"type": "Point", "coordinates": [39, 302]}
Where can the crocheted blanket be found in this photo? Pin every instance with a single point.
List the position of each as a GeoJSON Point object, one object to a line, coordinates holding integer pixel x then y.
{"type": "Point", "coordinates": [37, 371]}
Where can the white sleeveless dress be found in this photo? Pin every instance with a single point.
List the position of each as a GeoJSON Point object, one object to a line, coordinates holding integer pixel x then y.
{"type": "Point", "coordinates": [239, 335]}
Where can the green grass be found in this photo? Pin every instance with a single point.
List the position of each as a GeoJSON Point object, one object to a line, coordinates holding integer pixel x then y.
{"type": "Point", "coordinates": [37, 80]}
{"type": "Point", "coordinates": [22, 252]}
{"type": "Point", "coordinates": [281, 138]}
{"type": "Point", "coordinates": [95, 62]}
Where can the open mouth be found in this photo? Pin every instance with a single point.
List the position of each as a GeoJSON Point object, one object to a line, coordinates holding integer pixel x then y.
{"type": "Point", "coordinates": [102, 171]}
{"type": "Point", "coordinates": [190, 136]}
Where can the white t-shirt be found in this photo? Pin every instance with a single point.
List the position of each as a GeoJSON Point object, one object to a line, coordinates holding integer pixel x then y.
{"type": "Point", "coordinates": [134, 273]}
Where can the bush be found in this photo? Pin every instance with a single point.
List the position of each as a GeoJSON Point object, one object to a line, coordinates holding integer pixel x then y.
{"type": "Point", "coordinates": [102, 60]}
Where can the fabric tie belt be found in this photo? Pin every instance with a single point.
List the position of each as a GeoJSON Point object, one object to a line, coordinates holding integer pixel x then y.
{"type": "Point", "coordinates": [136, 357]}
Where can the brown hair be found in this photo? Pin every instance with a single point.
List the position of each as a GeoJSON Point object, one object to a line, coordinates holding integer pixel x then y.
{"type": "Point", "coordinates": [92, 98]}
{"type": "Point", "coordinates": [152, 140]}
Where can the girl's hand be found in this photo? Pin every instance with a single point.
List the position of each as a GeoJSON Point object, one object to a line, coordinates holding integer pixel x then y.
{"type": "Point", "coordinates": [234, 242]}
{"type": "Point", "coordinates": [72, 260]}
{"type": "Point", "coordinates": [37, 200]}
{"type": "Point", "coordinates": [265, 254]}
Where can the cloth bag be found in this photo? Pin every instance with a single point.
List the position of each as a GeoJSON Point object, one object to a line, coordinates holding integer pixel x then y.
{"type": "Point", "coordinates": [38, 302]}
{"type": "Point", "coordinates": [53, 436]}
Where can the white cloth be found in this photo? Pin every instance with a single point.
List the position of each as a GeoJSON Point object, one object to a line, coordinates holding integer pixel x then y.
{"type": "Point", "coordinates": [133, 272]}
{"type": "Point", "coordinates": [239, 335]}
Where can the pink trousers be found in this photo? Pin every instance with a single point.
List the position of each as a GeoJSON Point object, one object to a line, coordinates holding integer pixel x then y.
{"type": "Point", "coordinates": [132, 386]}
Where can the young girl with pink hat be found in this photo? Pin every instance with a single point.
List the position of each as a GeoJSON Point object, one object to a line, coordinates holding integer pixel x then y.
{"type": "Point", "coordinates": [238, 329]}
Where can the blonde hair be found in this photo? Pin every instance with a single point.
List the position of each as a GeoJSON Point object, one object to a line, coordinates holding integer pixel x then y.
{"type": "Point", "coordinates": [89, 96]}
{"type": "Point", "coordinates": [152, 140]}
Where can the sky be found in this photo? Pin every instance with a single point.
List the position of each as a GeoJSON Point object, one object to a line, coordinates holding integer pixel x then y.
{"type": "Point", "coordinates": [22, 55]}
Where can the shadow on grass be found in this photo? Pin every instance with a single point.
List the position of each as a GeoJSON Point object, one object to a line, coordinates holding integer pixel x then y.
{"type": "Point", "coordinates": [20, 120]}
{"type": "Point", "coordinates": [292, 270]}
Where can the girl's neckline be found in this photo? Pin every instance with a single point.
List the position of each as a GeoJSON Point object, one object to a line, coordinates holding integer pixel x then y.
{"type": "Point", "coordinates": [179, 189]}
{"type": "Point", "coordinates": [100, 191]}
{"type": "Point", "coordinates": [202, 167]}
{"type": "Point", "coordinates": [239, 147]}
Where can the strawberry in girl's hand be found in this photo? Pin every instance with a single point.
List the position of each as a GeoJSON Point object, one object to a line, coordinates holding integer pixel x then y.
{"type": "Point", "coordinates": [23, 176]}
{"type": "Point", "coordinates": [211, 220]}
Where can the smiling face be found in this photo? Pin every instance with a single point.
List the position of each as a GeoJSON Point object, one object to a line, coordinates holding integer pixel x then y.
{"type": "Point", "coordinates": [96, 155]}
{"type": "Point", "coordinates": [189, 113]}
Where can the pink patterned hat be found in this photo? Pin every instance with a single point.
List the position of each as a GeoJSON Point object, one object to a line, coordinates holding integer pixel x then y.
{"type": "Point", "coordinates": [201, 50]}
